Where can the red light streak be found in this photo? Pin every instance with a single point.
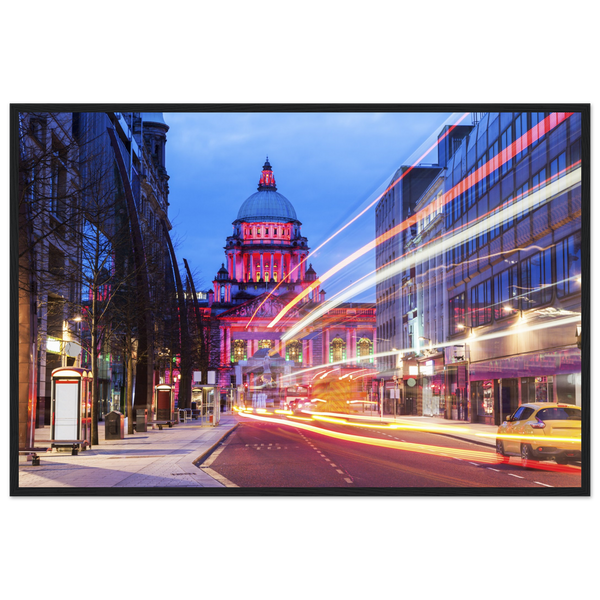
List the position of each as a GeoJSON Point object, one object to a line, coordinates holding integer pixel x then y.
{"type": "Point", "coordinates": [506, 154]}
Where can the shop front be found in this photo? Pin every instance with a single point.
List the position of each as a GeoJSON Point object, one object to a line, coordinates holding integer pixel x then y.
{"type": "Point", "coordinates": [500, 386]}
{"type": "Point", "coordinates": [431, 386]}
{"type": "Point", "coordinates": [456, 383]}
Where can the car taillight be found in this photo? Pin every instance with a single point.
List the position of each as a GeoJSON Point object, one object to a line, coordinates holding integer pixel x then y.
{"type": "Point", "coordinates": [538, 424]}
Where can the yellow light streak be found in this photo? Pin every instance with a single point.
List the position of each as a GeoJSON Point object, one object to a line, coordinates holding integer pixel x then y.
{"type": "Point", "coordinates": [489, 457]}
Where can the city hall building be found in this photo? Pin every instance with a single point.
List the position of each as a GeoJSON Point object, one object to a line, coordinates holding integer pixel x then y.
{"type": "Point", "coordinates": [265, 268]}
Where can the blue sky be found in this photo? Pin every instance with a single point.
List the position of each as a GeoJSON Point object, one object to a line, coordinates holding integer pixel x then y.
{"type": "Point", "coordinates": [328, 165]}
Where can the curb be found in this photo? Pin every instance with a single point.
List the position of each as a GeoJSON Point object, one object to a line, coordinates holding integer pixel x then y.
{"type": "Point", "coordinates": [208, 451]}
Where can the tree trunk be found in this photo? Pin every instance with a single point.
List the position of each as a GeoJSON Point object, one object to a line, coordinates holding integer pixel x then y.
{"type": "Point", "coordinates": [94, 361]}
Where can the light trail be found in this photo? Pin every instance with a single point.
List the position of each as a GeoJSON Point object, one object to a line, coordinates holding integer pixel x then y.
{"type": "Point", "coordinates": [373, 203]}
{"type": "Point", "coordinates": [537, 199]}
{"type": "Point", "coordinates": [488, 457]}
{"type": "Point", "coordinates": [494, 163]}
{"type": "Point", "coordinates": [518, 329]}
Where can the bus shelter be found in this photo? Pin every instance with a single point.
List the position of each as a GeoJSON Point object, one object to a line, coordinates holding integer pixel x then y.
{"type": "Point", "coordinates": [208, 404]}
{"type": "Point", "coordinates": [71, 406]}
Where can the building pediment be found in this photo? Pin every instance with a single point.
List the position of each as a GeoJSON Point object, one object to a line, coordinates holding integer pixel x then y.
{"type": "Point", "coordinates": [265, 306]}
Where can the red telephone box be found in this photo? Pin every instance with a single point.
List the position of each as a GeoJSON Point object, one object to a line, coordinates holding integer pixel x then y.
{"type": "Point", "coordinates": [164, 402]}
{"type": "Point", "coordinates": [71, 405]}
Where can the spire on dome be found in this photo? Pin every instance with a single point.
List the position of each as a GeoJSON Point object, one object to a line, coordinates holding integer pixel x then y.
{"type": "Point", "coordinates": [267, 179]}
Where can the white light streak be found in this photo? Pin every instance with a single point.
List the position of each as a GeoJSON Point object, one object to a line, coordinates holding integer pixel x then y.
{"type": "Point", "coordinates": [535, 199]}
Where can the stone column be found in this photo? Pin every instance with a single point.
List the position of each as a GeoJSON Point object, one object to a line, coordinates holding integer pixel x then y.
{"type": "Point", "coordinates": [252, 266]}
{"type": "Point", "coordinates": [326, 347]}
{"type": "Point", "coordinates": [349, 354]}
{"type": "Point", "coordinates": [272, 266]}
{"type": "Point", "coordinates": [223, 350]}
{"type": "Point", "coordinates": [262, 272]}
{"type": "Point", "coordinates": [234, 270]}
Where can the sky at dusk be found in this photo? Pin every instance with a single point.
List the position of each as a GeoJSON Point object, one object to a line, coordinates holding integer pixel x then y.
{"type": "Point", "coordinates": [328, 165]}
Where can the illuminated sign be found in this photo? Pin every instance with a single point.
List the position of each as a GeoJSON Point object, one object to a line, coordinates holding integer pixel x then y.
{"type": "Point", "coordinates": [53, 345]}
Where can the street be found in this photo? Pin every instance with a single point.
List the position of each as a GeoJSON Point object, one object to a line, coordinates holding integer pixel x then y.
{"type": "Point", "coordinates": [285, 454]}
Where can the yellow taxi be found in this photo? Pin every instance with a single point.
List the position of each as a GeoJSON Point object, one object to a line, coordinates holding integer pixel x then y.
{"type": "Point", "coordinates": [541, 431]}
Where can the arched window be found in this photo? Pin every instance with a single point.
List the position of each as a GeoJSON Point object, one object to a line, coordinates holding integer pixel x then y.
{"type": "Point", "coordinates": [265, 344]}
{"type": "Point", "coordinates": [293, 351]}
{"type": "Point", "coordinates": [238, 350]}
{"type": "Point", "coordinates": [337, 350]}
{"type": "Point", "coordinates": [365, 350]}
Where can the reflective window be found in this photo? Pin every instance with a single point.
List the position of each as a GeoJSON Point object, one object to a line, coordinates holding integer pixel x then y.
{"type": "Point", "coordinates": [506, 301]}
{"type": "Point", "coordinates": [559, 414]}
{"type": "Point", "coordinates": [568, 265]}
{"type": "Point", "coordinates": [457, 314]}
{"type": "Point", "coordinates": [536, 279]}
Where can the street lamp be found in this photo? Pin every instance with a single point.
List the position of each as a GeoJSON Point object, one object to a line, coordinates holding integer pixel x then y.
{"type": "Point", "coordinates": [423, 338]}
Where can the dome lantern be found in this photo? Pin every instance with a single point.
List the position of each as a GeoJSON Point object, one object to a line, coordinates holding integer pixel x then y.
{"type": "Point", "coordinates": [267, 204]}
{"type": "Point", "coordinates": [267, 179]}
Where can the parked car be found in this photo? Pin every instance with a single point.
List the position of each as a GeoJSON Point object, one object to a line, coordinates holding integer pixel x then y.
{"type": "Point", "coordinates": [541, 431]}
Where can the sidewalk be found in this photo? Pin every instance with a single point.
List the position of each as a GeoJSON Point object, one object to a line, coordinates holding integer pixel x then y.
{"type": "Point", "coordinates": [156, 458]}
{"type": "Point", "coordinates": [166, 458]}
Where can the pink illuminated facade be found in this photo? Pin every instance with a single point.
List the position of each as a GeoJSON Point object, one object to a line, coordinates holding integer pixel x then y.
{"type": "Point", "coordinates": [265, 268]}
{"type": "Point", "coordinates": [266, 248]}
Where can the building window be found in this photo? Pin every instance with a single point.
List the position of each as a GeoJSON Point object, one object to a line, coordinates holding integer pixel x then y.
{"type": "Point", "coordinates": [494, 159]}
{"type": "Point", "coordinates": [337, 350]}
{"type": "Point", "coordinates": [506, 293]}
{"type": "Point", "coordinates": [482, 174]}
{"type": "Point", "coordinates": [537, 126]}
{"type": "Point", "coordinates": [456, 314]}
{"type": "Point", "coordinates": [58, 190]}
{"type": "Point", "coordinates": [365, 350]}
{"type": "Point", "coordinates": [522, 194]}
{"type": "Point", "coordinates": [557, 169]}
{"type": "Point", "coordinates": [506, 140]}
{"type": "Point", "coordinates": [568, 266]}
{"type": "Point", "coordinates": [536, 279]}
{"type": "Point", "coordinates": [538, 181]}
{"type": "Point", "coordinates": [56, 261]}
{"type": "Point", "coordinates": [38, 129]}
{"type": "Point", "coordinates": [520, 130]}
{"type": "Point", "coordinates": [265, 344]}
{"type": "Point", "coordinates": [293, 351]}
{"type": "Point", "coordinates": [481, 304]}
{"type": "Point", "coordinates": [508, 222]}
{"type": "Point", "coordinates": [239, 350]}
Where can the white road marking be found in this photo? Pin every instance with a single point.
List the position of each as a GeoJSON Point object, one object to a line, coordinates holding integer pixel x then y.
{"type": "Point", "coordinates": [513, 475]}
{"type": "Point", "coordinates": [340, 472]}
{"type": "Point", "coordinates": [347, 480]}
{"type": "Point", "coordinates": [333, 465]}
{"type": "Point", "coordinates": [540, 483]}
{"type": "Point", "coordinates": [490, 468]}
{"type": "Point", "coordinates": [476, 464]}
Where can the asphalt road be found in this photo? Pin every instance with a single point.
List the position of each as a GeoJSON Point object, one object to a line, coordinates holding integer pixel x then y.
{"type": "Point", "coordinates": [265, 454]}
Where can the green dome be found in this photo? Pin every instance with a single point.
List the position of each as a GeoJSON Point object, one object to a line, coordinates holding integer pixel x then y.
{"type": "Point", "coordinates": [267, 204]}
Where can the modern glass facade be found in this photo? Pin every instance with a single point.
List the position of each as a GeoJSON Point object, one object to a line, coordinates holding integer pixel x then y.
{"type": "Point", "coordinates": [518, 273]}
